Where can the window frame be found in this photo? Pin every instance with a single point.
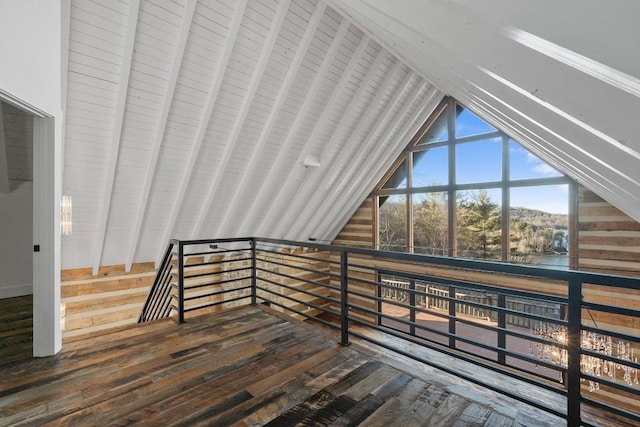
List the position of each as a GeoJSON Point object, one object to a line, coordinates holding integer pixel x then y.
{"type": "Point", "coordinates": [448, 106]}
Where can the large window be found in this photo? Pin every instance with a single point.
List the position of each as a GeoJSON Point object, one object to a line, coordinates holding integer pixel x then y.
{"type": "Point", "coordinates": [463, 188]}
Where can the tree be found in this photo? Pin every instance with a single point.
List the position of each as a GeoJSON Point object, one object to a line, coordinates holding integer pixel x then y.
{"type": "Point", "coordinates": [430, 224]}
{"type": "Point", "coordinates": [392, 224]}
{"type": "Point", "coordinates": [479, 228]}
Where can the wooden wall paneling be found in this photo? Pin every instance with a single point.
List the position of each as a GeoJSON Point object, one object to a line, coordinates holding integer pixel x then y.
{"type": "Point", "coordinates": [95, 304]}
{"type": "Point", "coordinates": [608, 239]}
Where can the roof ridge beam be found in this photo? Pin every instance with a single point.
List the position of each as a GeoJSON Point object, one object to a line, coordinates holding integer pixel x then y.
{"type": "Point", "coordinates": [295, 128]}
{"type": "Point", "coordinates": [344, 79]}
{"type": "Point", "coordinates": [116, 134]}
{"type": "Point", "coordinates": [183, 37]}
{"type": "Point", "coordinates": [216, 82]}
{"type": "Point", "coordinates": [238, 126]}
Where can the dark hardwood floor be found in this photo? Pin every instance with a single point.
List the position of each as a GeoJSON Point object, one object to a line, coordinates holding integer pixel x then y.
{"type": "Point", "coordinates": [247, 366]}
{"type": "Point", "coordinates": [16, 329]}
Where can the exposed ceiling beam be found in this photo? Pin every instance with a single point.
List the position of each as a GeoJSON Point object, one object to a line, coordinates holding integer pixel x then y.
{"type": "Point", "coordinates": [260, 201]}
{"type": "Point", "coordinates": [353, 194]}
{"type": "Point", "coordinates": [280, 164]}
{"type": "Point", "coordinates": [344, 157]}
{"type": "Point", "coordinates": [4, 163]}
{"type": "Point", "coordinates": [276, 108]}
{"type": "Point", "coordinates": [216, 82]}
{"type": "Point", "coordinates": [247, 102]}
{"type": "Point", "coordinates": [116, 133]}
{"type": "Point", "coordinates": [337, 138]}
{"type": "Point", "coordinates": [358, 154]}
{"type": "Point", "coordinates": [185, 26]}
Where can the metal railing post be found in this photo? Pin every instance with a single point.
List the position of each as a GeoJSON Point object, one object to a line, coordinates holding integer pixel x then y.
{"type": "Point", "coordinates": [344, 298]}
{"type": "Point", "coordinates": [573, 356]}
{"type": "Point", "coordinates": [253, 272]}
{"type": "Point", "coordinates": [412, 303]}
{"type": "Point", "coordinates": [502, 325]}
{"type": "Point", "coordinates": [180, 282]}
{"type": "Point", "coordinates": [452, 316]}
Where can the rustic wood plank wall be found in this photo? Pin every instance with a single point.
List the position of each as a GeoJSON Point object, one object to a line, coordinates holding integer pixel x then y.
{"type": "Point", "coordinates": [608, 239]}
{"type": "Point", "coordinates": [112, 298]}
{"type": "Point", "coordinates": [359, 231]}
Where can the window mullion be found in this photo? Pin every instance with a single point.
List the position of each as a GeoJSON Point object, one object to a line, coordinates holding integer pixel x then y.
{"type": "Point", "coordinates": [451, 194]}
{"type": "Point", "coordinates": [506, 201]}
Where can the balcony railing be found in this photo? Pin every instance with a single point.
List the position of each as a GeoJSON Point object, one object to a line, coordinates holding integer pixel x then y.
{"type": "Point", "coordinates": [571, 333]}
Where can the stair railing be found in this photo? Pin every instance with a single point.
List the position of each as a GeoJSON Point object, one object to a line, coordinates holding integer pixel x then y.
{"type": "Point", "coordinates": [159, 301]}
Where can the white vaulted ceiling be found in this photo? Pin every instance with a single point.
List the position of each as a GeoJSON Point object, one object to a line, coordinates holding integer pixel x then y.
{"type": "Point", "coordinates": [561, 77]}
{"type": "Point", "coordinates": [221, 118]}
{"type": "Point", "coordinates": [224, 118]}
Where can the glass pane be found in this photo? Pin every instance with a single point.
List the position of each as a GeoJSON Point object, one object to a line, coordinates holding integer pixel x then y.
{"type": "Point", "coordinates": [399, 178]}
{"type": "Point", "coordinates": [392, 223]}
{"type": "Point", "coordinates": [539, 225]}
{"type": "Point", "coordinates": [438, 131]}
{"type": "Point", "coordinates": [430, 223]}
{"type": "Point", "coordinates": [478, 224]}
{"type": "Point", "coordinates": [468, 124]}
{"type": "Point", "coordinates": [430, 167]}
{"type": "Point", "coordinates": [524, 165]}
{"type": "Point", "coordinates": [479, 161]}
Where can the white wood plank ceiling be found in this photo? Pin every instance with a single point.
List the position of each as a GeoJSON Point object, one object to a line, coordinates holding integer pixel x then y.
{"type": "Point", "coordinates": [563, 78]}
{"type": "Point", "coordinates": [221, 118]}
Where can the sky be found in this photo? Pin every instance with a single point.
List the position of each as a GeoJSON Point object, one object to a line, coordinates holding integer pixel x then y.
{"type": "Point", "coordinates": [481, 161]}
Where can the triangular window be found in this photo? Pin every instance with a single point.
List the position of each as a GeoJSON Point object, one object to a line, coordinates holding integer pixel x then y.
{"type": "Point", "coordinates": [463, 188]}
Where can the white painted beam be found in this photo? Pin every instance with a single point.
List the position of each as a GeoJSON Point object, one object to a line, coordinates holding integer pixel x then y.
{"type": "Point", "coordinates": [238, 125]}
{"type": "Point", "coordinates": [385, 157]}
{"type": "Point", "coordinates": [275, 109]}
{"type": "Point", "coordinates": [354, 155]}
{"type": "Point", "coordinates": [279, 164]}
{"type": "Point", "coordinates": [332, 147]}
{"type": "Point", "coordinates": [381, 160]}
{"type": "Point", "coordinates": [4, 163]}
{"type": "Point", "coordinates": [264, 195]}
{"type": "Point", "coordinates": [183, 37]}
{"type": "Point", "coordinates": [216, 82]}
{"type": "Point", "coordinates": [116, 133]}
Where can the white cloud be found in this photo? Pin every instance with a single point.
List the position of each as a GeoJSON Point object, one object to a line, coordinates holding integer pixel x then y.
{"type": "Point", "coordinates": [540, 167]}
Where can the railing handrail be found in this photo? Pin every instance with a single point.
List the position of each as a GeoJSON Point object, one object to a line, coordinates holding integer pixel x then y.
{"type": "Point", "coordinates": [377, 260]}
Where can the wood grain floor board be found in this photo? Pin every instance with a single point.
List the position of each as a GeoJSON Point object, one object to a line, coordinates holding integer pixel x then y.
{"type": "Point", "coordinates": [16, 329]}
{"type": "Point", "coordinates": [249, 366]}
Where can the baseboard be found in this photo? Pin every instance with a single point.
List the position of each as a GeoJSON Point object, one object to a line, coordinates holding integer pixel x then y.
{"type": "Point", "coordinates": [15, 291]}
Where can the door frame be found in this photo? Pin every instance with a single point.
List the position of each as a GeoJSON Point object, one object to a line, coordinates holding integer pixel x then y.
{"type": "Point", "coordinates": [47, 193]}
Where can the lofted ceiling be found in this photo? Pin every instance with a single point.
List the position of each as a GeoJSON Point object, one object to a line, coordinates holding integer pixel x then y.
{"type": "Point", "coordinates": [221, 118]}
{"type": "Point", "coordinates": [562, 78]}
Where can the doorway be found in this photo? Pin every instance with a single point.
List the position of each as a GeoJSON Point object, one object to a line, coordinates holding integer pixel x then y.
{"type": "Point", "coordinates": [30, 187]}
{"type": "Point", "coordinates": [16, 228]}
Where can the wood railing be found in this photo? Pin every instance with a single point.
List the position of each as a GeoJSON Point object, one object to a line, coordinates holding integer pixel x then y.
{"type": "Point", "coordinates": [534, 324]}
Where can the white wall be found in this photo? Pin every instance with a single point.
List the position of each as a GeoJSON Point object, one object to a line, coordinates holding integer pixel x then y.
{"type": "Point", "coordinates": [30, 52]}
{"type": "Point", "coordinates": [16, 229]}
{"type": "Point", "coordinates": [30, 77]}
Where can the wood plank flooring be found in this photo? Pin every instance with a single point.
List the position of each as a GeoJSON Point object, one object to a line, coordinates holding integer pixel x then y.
{"type": "Point", "coordinates": [246, 367]}
{"type": "Point", "coordinates": [16, 329]}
